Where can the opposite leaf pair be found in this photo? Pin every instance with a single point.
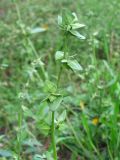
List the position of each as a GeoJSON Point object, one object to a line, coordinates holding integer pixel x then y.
{"type": "Point", "coordinates": [73, 64]}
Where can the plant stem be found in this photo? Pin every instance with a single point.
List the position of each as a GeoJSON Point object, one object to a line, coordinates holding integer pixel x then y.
{"type": "Point", "coordinates": [19, 131]}
{"type": "Point", "coordinates": [66, 45]}
{"type": "Point", "coordinates": [65, 50]}
{"type": "Point", "coordinates": [30, 43]}
{"type": "Point", "coordinates": [59, 76]}
{"type": "Point", "coordinates": [37, 56]}
{"type": "Point", "coordinates": [53, 136]}
{"type": "Point", "coordinates": [53, 112]}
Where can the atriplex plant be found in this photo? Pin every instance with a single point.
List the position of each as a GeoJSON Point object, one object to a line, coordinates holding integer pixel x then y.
{"type": "Point", "coordinates": [68, 23]}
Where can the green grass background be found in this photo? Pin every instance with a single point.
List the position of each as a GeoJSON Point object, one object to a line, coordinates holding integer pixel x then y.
{"type": "Point", "coordinates": [98, 88]}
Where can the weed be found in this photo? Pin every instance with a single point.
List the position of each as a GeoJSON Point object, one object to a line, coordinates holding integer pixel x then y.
{"type": "Point", "coordinates": [52, 106]}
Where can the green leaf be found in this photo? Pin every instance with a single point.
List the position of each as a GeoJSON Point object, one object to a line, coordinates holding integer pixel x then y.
{"type": "Point", "coordinates": [62, 117]}
{"type": "Point", "coordinates": [37, 30]}
{"type": "Point", "coordinates": [5, 153]}
{"type": "Point", "coordinates": [50, 87]}
{"type": "Point", "coordinates": [74, 65]}
{"type": "Point", "coordinates": [27, 112]}
{"type": "Point", "coordinates": [59, 20]}
{"type": "Point", "coordinates": [39, 157]}
{"type": "Point", "coordinates": [77, 26]}
{"type": "Point", "coordinates": [56, 103]}
{"type": "Point", "coordinates": [52, 98]}
{"type": "Point", "coordinates": [64, 61]}
{"type": "Point", "coordinates": [59, 55]}
{"type": "Point", "coordinates": [77, 34]}
{"type": "Point", "coordinates": [75, 17]}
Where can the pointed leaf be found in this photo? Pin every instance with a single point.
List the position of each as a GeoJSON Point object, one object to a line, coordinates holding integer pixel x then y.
{"type": "Point", "coordinates": [75, 17]}
{"type": "Point", "coordinates": [64, 60]}
{"type": "Point", "coordinates": [77, 26]}
{"type": "Point", "coordinates": [77, 34]}
{"type": "Point", "coordinates": [74, 65]}
{"type": "Point", "coordinates": [62, 117]}
{"type": "Point", "coordinates": [56, 103]}
{"type": "Point", "coordinates": [37, 30]}
{"type": "Point", "coordinates": [59, 20]}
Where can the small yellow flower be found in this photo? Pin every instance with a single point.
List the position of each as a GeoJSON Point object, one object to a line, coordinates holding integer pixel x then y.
{"type": "Point", "coordinates": [45, 26]}
{"type": "Point", "coordinates": [82, 105]}
{"type": "Point", "coordinates": [95, 121]}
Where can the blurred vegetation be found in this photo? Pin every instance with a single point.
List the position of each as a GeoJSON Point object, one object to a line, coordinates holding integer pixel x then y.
{"type": "Point", "coordinates": [91, 130]}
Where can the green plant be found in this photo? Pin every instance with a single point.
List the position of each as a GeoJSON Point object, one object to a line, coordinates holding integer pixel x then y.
{"type": "Point", "coordinates": [68, 23]}
{"type": "Point", "coordinates": [27, 43]}
{"type": "Point", "coordinates": [86, 124]}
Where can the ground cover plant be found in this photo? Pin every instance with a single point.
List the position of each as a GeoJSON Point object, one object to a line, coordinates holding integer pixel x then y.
{"type": "Point", "coordinates": [59, 80]}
